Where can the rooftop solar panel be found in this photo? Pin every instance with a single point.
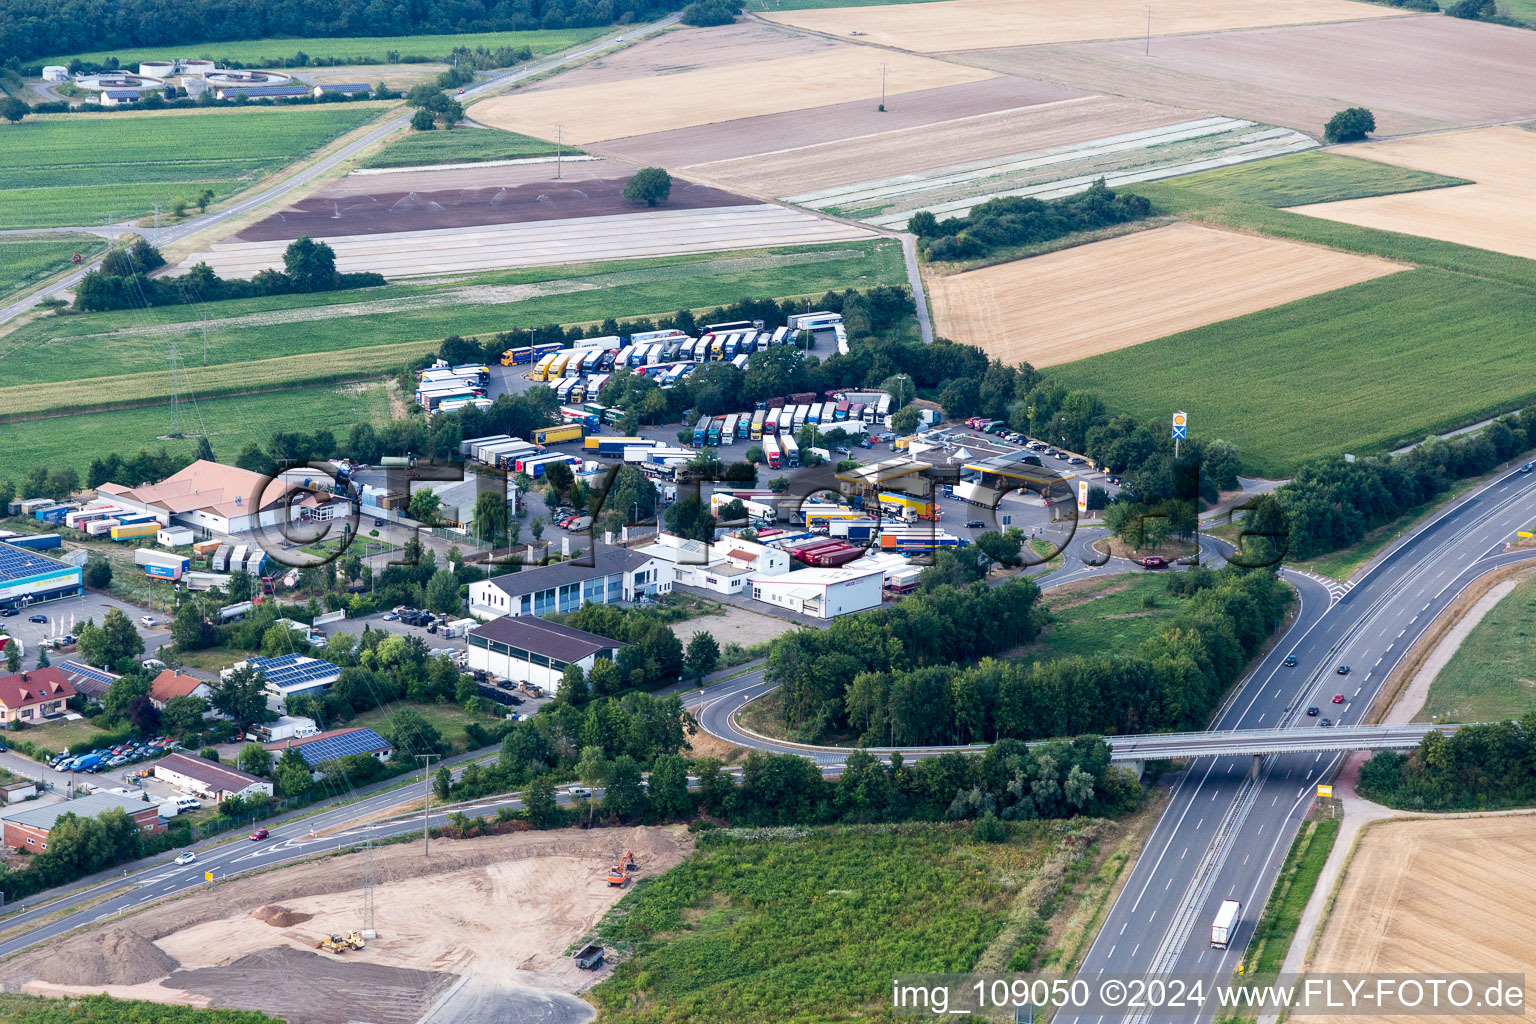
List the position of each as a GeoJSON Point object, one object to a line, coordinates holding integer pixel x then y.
{"type": "Point", "coordinates": [364, 741]}
{"type": "Point", "coordinates": [77, 669]}
{"type": "Point", "coordinates": [19, 563]}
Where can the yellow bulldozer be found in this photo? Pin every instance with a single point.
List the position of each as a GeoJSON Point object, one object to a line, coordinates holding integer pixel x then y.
{"type": "Point", "coordinates": [341, 942]}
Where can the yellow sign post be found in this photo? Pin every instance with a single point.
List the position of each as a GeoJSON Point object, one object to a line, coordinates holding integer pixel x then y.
{"type": "Point", "coordinates": [207, 876]}
{"type": "Point", "coordinates": [1526, 534]}
{"type": "Point", "coordinates": [1325, 791]}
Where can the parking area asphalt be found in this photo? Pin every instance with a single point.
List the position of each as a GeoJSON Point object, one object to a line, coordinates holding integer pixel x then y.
{"type": "Point", "coordinates": [69, 614]}
{"type": "Point", "coordinates": [375, 622]}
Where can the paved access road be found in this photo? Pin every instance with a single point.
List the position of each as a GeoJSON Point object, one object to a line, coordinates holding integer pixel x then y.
{"type": "Point", "coordinates": [192, 225]}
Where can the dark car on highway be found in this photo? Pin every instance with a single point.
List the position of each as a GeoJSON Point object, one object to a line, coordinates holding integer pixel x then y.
{"type": "Point", "coordinates": [1313, 712]}
{"type": "Point", "coordinates": [1325, 723]}
{"type": "Point", "coordinates": [1343, 670]}
{"type": "Point", "coordinates": [1290, 661]}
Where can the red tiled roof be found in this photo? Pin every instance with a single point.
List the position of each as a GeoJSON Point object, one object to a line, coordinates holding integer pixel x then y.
{"type": "Point", "coordinates": [33, 687]}
{"type": "Point", "coordinates": [171, 683]}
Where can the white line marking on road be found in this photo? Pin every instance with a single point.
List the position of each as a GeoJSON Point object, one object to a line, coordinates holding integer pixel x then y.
{"type": "Point", "coordinates": [1122, 926]}
{"type": "Point", "coordinates": [1133, 953]}
{"type": "Point", "coordinates": [1245, 858]}
{"type": "Point", "coordinates": [1199, 823]}
{"type": "Point", "coordinates": [1261, 718]}
{"type": "Point", "coordinates": [1275, 800]}
{"type": "Point", "coordinates": [1186, 850]}
{"type": "Point", "coordinates": [1168, 883]}
{"type": "Point", "coordinates": [1316, 759]}
{"type": "Point", "coordinates": [1213, 797]}
{"type": "Point", "coordinates": [1112, 951]}
{"type": "Point", "coordinates": [1378, 663]}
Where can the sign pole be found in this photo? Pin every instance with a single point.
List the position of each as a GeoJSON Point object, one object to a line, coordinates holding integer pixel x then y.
{"type": "Point", "coordinates": [1180, 430]}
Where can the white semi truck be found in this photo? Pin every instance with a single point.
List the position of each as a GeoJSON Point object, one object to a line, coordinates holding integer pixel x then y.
{"type": "Point", "coordinates": [1225, 926]}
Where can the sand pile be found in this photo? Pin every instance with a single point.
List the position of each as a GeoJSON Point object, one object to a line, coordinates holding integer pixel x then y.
{"type": "Point", "coordinates": [114, 957]}
{"type": "Point", "coordinates": [280, 917]}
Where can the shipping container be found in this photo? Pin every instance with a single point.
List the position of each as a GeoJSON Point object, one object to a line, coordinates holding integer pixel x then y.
{"type": "Point", "coordinates": [1224, 928]}
{"type": "Point", "coordinates": [671, 334]}
{"type": "Point", "coordinates": [840, 411]}
{"type": "Point", "coordinates": [132, 531]}
{"type": "Point", "coordinates": [555, 435]}
{"type": "Point", "coordinates": [609, 341]}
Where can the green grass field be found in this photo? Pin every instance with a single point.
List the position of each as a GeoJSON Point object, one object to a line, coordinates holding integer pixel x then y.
{"type": "Point", "coordinates": [810, 925]}
{"type": "Point", "coordinates": [1351, 370]}
{"type": "Point", "coordinates": [448, 719]}
{"type": "Point", "coordinates": [269, 341]}
{"type": "Point", "coordinates": [229, 423]}
{"type": "Point", "coordinates": [459, 146]}
{"type": "Point", "coordinates": [16, 1008]}
{"type": "Point", "coordinates": [28, 258]}
{"type": "Point", "coordinates": [373, 49]}
{"type": "Point", "coordinates": [66, 169]}
{"type": "Point", "coordinates": [1115, 620]}
{"type": "Point", "coordinates": [1493, 676]}
{"type": "Point", "coordinates": [1301, 178]}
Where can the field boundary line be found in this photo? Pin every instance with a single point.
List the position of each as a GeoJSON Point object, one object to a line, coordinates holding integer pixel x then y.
{"type": "Point", "coordinates": [584, 158]}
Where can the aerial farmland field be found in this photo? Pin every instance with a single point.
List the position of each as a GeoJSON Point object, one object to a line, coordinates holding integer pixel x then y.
{"type": "Point", "coordinates": [977, 24]}
{"type": "Point", "coordinates": [1108, 295]}
{"type": "Point", "coordinates": [1497, 211]}
{"type": "Point", "coordinates": [469, 145]}
{"type": "Point", "coordinates": [260, 52]}
{"type": "Point", "coordinates": [82, 169]}
{"type": "Point", "coordinates": [1351, 370]}
{"type": "Point", "coordinates": [28, 258]}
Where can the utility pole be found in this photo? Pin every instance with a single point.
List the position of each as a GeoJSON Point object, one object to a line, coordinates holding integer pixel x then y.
{"type": "Point", "coordinates": [559, 138]}
{"type": "Point", "coordinates": [368, 929]}
{"type": "Point", "coordinates": [426, 808]}
{"type": "Point", "coordinates": [1147, 52]}
{"type": "Point", "coordinates": [882, 85]}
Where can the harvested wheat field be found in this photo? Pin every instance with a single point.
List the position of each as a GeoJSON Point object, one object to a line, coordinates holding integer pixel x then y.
{"type": "Point", "coordinates": [498, 912]}
{"type": "Point", "coordinates": [1498, 212]}
{"type": "Point", "coordinates": [1435, 895]}
{"type": "Point", "coordinates": [977, 24]}
{"type": "Point", "coordinates": [1414, 73]}
{"type": "Point", "coordinates": [1109, 295]}
{"type": "Point", "coordinates": [611, 110]}
{"type": "Point", "coordinates": [930, 147]}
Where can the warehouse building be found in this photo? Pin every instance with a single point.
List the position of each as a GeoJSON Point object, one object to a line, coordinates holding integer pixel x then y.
{"type": "Point", "coordinates": [531, 650]}
{"type": "Point", "coordinates": [328, 746]}
{"type": "Point", "coordinates": [28, 829]}
{"type": "Point", "coordinates": [822, 593]}
{"type": "Point", "coordinates": [208, 779]}
{"type": "Point", "coordinates": [221, 499]}
{"type": "Point", "coordinates": [606, 575]}
{"type": "Point", "coordinates": [27, 577]}
{"type": "Point", "coordinates": [34, 695]}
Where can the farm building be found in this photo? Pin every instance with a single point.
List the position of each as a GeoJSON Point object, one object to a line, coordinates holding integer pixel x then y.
{"type": "Point", "coordinates": [328, 746]}
{"type": "Point", "coordinates": [34, 695]}
{"type": "Point", "coordinates": [291, 675]}
{"type": "Point", "coordinates": [117, 97]}
{"type": "Point", "coordinates": [27, 577]}
{"type": "Point", "coordinates": [208, 779]}
{"type": "Point", "coordinates": [263, 93]}
{"type": "Point", "coordinates": [531, 650]}
{"type": "Point", "coordinates": [606, 575]}
{"type": "Point", "coordinates": [172, 683]}
{"type": "Point", "coordinates": [821, 593]}
{"type": "Point", "coordinates": [222, 499]}
{"type": "Point", "coordinates": [28, 829]}
{"type": "Point", "coordinates": [353, 89]}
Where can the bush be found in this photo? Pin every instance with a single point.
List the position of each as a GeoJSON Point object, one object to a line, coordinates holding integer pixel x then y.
{"type": "Point", "coordinates": [1472, 10]}
{"type": "Point", "coordinates": [988, 829]}
{"type": "Point", "coordinates": [1012, 220]}
{"type": "Point", "coordinates": [705, 13]}
{"type": "Point", "coordinates": [1351, 124]}
{"type": "Point", "coordinates": [650, 185]}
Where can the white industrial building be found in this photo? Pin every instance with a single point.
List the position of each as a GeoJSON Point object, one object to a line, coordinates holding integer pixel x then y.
{"type": "Point", "coordinates": [208, 779]}
{"type": "Point", "coordinates": [55, 73]}
{"type": "Point", "coordinates": [221, 499]}
{"type": "Point", "coordinates": [531, 650]}
{"type": "Point", "coordinates": [606, 574]}
{"type": "Point", "coordinates": [821, 593]}
{"type": "Point", "coordinates": [723, 567]}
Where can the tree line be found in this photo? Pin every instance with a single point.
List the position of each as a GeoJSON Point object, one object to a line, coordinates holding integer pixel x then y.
{"type": "Point", "coordinates": [33, 28]}
{"type": "Point", "coordinates": [121, 282]}
{"type": "Point", "coordinates": [1022, 220]}
{"type": "Point", "coordinates": [1476, 767]}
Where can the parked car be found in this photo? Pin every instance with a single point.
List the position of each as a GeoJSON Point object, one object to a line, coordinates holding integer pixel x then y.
{"type": "Point", "coordinates": [186, 858]}
{"type": "Point", "coordinates": [147, 620]}
{"type": "Point", "coordinates": [259, 834]}
{"type": "Point", "coordinates": [1290, 661]}
{"type": "Point", "coordinates": [974, 524]}
{"type": "Point", "coordinates": [1113, 479]}
{"type": "Point", "coordinates": [1154, 562]}
{"type": "Point", "coordinates": [390, 616]}
{"type": "Point", "coordinates": [1313, 712]}
{"type": "Point", "coordinates": [1338, 698]}
{"type": "Point", "coordinates": [10, 611]}
{"type": "Point", "coordinates": [37, 618]}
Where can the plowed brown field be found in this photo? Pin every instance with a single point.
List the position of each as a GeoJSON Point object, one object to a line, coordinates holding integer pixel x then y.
{"type": "Point", "coordinates": [611, 110]}
{"type": "Point", "coordinates": [975, 24]}
{"type": "Point", "coordinates": [1435, 895]}
{"type": "Point", "coordinates": [1095, 298]}
{"type": "Point", "coordinates": [1498, 212]}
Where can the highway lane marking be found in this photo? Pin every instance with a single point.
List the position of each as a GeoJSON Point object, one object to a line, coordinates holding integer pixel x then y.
{"type": "Point", "coordinates": [1133, 953]}
{"type": "Point", "coordinates": [1247, 855]}
{"type": "Point", "coordinates": [1168, 883]}
{"type": "Point", "coordinates": [1110, 955]}
{"type": "Point", "coordinates": [1275, 800]}
{"type": "Point", "coordinates": [1186, 850]}
{"type": "Point", "coordinates": [1213, 797]}
{"type": "Point", "coordinates": [1122, 926]}
{"type": "Point", "coordinates": [1400, 633]}
{"type": "Point", "coordinates": [1173, 832]}
{"type": "Point", "coordinates": [1199, 823]}
{"type": "Point", "coordinates": [1261, 718]}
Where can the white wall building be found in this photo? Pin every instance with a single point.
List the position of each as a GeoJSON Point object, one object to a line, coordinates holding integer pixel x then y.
{"type": "Point", "coordinates": [723, 567]}
{"type": "Point", "coordinates": [530, 650]}
{"type": "Point", "coordinates": [606, 574]}
{"type": "Point", "coordinates": [821, 593]}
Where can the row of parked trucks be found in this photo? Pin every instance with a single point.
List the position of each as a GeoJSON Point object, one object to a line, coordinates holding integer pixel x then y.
{"type": "Point", "coordinates": [445, 388]}
{"type": "Point", "coordinates": [782, 418]}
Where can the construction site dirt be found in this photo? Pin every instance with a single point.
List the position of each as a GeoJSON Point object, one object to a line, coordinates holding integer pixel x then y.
{"type": "Point", "coordinates": [329, 216]}
{"type": "Point", "coordinates": [477, 932]}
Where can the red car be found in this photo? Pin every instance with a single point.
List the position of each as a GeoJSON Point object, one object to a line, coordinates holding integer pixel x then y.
{"type": "Point", "coordinates": [1338, 698]}
{"type": "Point", "coordinates": [259, 834]}
{"type": "Point", "coordinates": [1154, 562]}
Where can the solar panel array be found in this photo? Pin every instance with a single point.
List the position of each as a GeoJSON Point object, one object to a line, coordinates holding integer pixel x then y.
{"type": "Point", "coordinates": [292, 669]}
{"type": "Point", "coordinates": [364, 741]}
{"type": "Point", "coordinates": [19, 563]}
{"type": "Point", "coordinates": [74, 668]}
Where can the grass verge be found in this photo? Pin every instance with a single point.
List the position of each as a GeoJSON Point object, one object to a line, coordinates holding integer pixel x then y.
{"type": "Point", "coordinates": [1495, 666]}
{"type": "Point", "coordinates": [1293, 888]}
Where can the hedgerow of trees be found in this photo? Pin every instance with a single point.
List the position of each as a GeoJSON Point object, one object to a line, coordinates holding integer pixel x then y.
{"type": "Point", "coordinates": [1478, 766]}
{"type": "Point", "coordinates": [1022, 220]}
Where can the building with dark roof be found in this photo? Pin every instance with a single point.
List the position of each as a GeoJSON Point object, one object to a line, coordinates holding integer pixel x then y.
{"type": "Point", "coordinates": [208, 779]}
{"type": "Point", "coordinates": [606, 575]}
{"type": "Point", "coordinates": [328, 746]}
{"type": "Point", "coordinates": [34, 695]}
{"type": "Point", "coordinates": [289, 675]}
{"type": "Point", "coordinates": [531, 650]}
{"type": "Point", "coordinates": [264, 92]}
{"type": "Point", "coordinates": [349, 89]}
{"type": "Point", "coordinates": [28, 829]}
{"type": "Point", "coordinates": [89, 680]}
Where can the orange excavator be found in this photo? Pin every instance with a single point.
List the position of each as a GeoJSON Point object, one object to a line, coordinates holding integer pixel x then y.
{"type": "Point", "coordinates": [619, 873]}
